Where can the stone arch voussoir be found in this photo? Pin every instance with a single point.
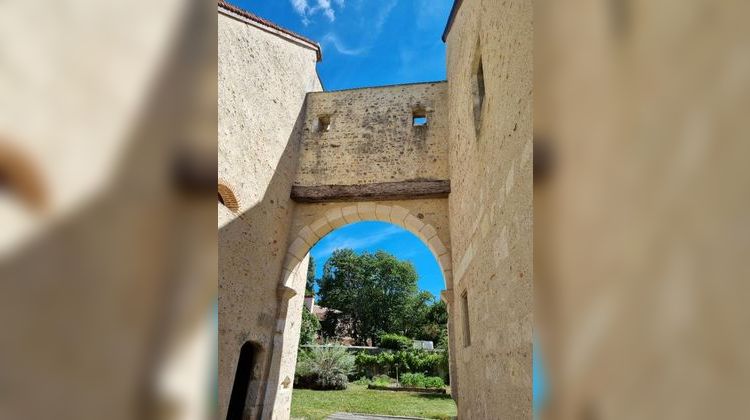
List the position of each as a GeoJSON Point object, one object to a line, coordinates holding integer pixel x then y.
{"type": "Point", "coordinates": [337, 217]}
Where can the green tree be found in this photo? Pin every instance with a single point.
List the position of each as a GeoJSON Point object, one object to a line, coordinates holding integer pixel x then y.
{"type": "Point", "coordinates": [309, 328]}
{"type": "Point", "coordinates": [438, 313]}
{"type": "Point", "coordinates": [373, 293]}
{"type": "Point", "coordinates": [310, 277]}
{"type": "Point", "coordinates": [413, 322]}
{"type": "Point", "coordinates": [435, 323]}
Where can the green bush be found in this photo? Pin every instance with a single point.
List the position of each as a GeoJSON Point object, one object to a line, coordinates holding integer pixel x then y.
{"type": "Point", "coordinates": [325, 367]}
{"type": "Point", "coordinates": [366, 364]}
{"type": "Point", "coordinates": [362, 381]}
{"type": "Point", "coordinates": [309, 328]}
{"type": "Point", "coordinates": [413, 379]}
{"type": "Point", "coordinates": [395, 342]}
{"type": "Point", "coordinates": [434, 382]}
{"type": "Point", "coordinates": [379, 380]}
{"type": "Point", "coordinates": [421, 381]}
{"type": "Point", "coordinates": [382, 380]}
{"type": "Point", "coordinates": [414, 360]}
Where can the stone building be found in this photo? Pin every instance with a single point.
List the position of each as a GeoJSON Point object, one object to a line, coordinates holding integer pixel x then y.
{"type": "Point", "coordinates": [449, 161]}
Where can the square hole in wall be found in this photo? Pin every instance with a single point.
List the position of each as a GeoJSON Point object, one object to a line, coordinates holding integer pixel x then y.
{"type": "Point", "coordinates": [324, 123]}
{"type": "Point", "coordinates": [419, 121]}
{"type": "Point", "coordinates": [419, 117]}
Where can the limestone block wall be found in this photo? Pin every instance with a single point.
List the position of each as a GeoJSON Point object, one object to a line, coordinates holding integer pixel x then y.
{"type": "Point", "coordinates": [263, 79]}
{"type": "Point", "coordinates": [490, 208]}
{"type": "Point", "coordinates": [371, 138]}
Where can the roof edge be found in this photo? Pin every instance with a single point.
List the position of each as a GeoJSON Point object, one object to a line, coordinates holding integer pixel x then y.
{"type": "Point", "coordinates": [248, 17]}
{"type": "Point", "coordinates": [451, 18]}
{"type": "Point", "coordinates": [434, 82]}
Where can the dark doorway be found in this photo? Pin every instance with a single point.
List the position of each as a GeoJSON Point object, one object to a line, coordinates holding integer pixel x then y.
{"type": "Point", "coordinates": [242, 378]}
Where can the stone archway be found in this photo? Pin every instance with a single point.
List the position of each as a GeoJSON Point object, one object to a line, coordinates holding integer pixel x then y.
{"type": "Point", "coordinates": [425, 218]}
{"type": "Point", "coordinates": [339, 215]}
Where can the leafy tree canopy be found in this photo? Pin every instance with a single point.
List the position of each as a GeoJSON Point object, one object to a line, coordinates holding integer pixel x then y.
{"type": "Point", "coordinates": [376, 293]}
{"type": "Point", "coordinates": [310, 277]}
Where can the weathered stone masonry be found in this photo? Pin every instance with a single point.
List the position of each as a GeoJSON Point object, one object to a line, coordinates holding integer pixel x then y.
{"type": "Point", "coordinates": [371, 137]}
{"type": "Point", "coordinates": [302, 163]}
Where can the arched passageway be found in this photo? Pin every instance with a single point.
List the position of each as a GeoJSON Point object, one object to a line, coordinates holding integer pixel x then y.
{"type": "Point", "coordinates": [425, 218]}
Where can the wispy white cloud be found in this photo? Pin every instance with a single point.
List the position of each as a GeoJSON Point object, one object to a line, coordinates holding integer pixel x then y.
{"type": "Point", "coordinates": [301, 7]}
{"type": "Point", "coordinates": [331, 39]}
{"type": "Point", "coordinates": [329, 14]}
{"type": "Point", "coordinates": [333, 242]}
{"type": "Point", "coordinates": [325, 7]}
{"type": "Point", "coordinates": [383, 14]}
{"type": "Point", "coordinates": [306, 11]}
{"type": "Point", "coordinates": [371, 36]}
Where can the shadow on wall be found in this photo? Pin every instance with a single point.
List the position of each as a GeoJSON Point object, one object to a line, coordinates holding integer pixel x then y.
{"type": "Point", "coordinates": [252, 247]}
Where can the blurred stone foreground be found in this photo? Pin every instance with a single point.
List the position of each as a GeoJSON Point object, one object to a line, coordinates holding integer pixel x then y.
{"type": "Point", "coordinates": [641, 221]}
{"type": "Point", "coordinates": [107, 241]}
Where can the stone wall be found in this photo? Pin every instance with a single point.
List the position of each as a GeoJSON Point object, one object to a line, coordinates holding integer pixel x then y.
{"type": "Point", "coordinates": [263, 80]}
{"type": "Point", "coordinates": [371, 138]}
{"type": "Point", "coordinates": [491, 208]}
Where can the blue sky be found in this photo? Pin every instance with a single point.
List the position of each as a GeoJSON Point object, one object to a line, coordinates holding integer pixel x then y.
{"type": "Point", "coordinates": [373, 236]}
{"type": "Point", "coordinates": [366, 42]}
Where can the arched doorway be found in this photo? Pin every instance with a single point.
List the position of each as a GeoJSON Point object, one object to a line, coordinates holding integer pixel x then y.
{"type": "Point", "coordinates": [425, 218]}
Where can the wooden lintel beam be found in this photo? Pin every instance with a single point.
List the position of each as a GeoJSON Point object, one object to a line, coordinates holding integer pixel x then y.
{"type": "Point", "coordinates": [400, 190]}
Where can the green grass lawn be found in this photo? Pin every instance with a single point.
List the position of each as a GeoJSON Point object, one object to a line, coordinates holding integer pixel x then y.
{"type": "Point", "coordinates": [315, 405]}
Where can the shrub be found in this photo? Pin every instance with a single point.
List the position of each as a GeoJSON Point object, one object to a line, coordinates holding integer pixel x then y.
{"type": "Point", "coordinates": [395, 342]}
{"type": "Point", "coordinates": [324, 368]}
{"type": "Point", "coordinates": [382, 380]}
{"type": "Point", "coordinates": [417, 361]}
{"type": "Point", "coordinates": [434, 382]}
{"type": "Point", "coordinates": [309, 328]}
{"type": "Point", "coordinates": [413, 360]}
{"type": "Point", "coordinates": [366, 364]}
{"type": "Point", "coordinates": [421, 381]}
{"type": "Point", "coordinates": [362, 381]}
{"type": "Point", "coordinates": [413, 379]}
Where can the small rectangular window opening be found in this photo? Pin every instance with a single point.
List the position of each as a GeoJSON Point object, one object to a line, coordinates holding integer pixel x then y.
{"type": "Point", "coordinates": [418, 121]}
{"type": "Point", "coordinates": [419, 117]}
{"type": "Point", "coordinates": [324, 123]}
{"type": "Point", "coordinates": [466, 326]}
